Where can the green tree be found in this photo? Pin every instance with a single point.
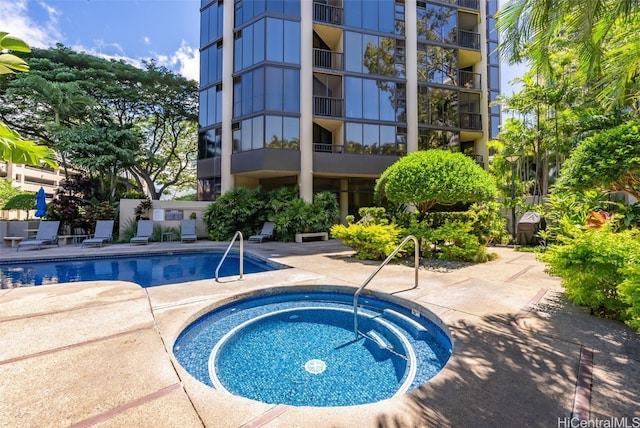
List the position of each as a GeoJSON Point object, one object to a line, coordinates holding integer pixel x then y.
{"type": "Point", "coordinates": [609, 159]}
{"type": "Point", "coordinates": [13, 148]}
{"type": "Point", "coordinates": [152, 107]}
{"type": "Point", "coordinates": [22, 201]}
{"type": "Point", "coordinates": [427, 178]}
{"type": "Point", "coordinates": [7, 190]}
{"type": "Point", "coordinates": [602, 32]}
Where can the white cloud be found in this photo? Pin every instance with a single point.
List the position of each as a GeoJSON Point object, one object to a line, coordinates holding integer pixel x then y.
{"type": "Point", "coordinates": [147, 40]}
{"type": "Point", "coordinates": [186, 61]}
{"type": "Point", "coordinates": [14, 19]}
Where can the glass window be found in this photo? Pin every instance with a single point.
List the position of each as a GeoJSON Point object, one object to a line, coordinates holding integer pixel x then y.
{"type": "Point", "coordinates": [247, 94]}
{"type": "Point", "coordinates": [353, 97]}
{"type": "Point", "coordinates": [353, 14]}
{"type": "Point", "coordinates": [292, 8]}
{"type": "Point", "coordinates": [371, 104]}
{"type": "Point", "coordinates": [258, 90]}
{"type": "Point", "coordinates": [258, 7]}
{"type": "Point", "coordinates": [353, 137]}
{"type": "Point", "coordinates": [275, 40]}
{"type": "Point", "coordinates": [204, 26]}
{"type": "Point", "coordinates": [258, 41]}
{"type": "Point", "coordinates": [237, 52]}
{"type": "Point", "coordinates": [353, 51]}
{"type": "Point", "coordinates": [219, 105]}
{"type": "Point", "coordinates": [386, 16]}
{"type": "Point", "coordinates": [373, 57]}
{"type": "Point", "coordinates": [205, 67]}
{"type": "Point", "coordinates": [291, 89]}
{"type": "Point", "coordinates": [211, 106]}
{"type": "Point", "coordinates": [494, 77]}
{"type": "Point", "coordinates": [202, 109]}
{"type": "Point", "coordinates": [276, 6]}
{"type": "Point", "coordinates": [274, 89]}
{"type": "Point", "coordinates": [247, 46]}
{"type": "Point", "coordinates": [245, 143]}
{"type": "Point", "coordinates": [237, 97]}
{"type": "Point", "coordinates": [237, 138]}
{"type": "Point", "coordinates": [273, 132]}
{"type": "Point", "coordinates": [258, 133]}
{"type": "Point", "coordinates": [292, 40]}
{"type": "Point", "coordinates": [443, 106]}
{"type": "Point", "coordinates": [291, 133]}
{"type": "Point", "coordinates": [387, 140]}
{"type": "Point", "coordinates": [371, 138]}
{"type": "Point", "coordinates": [387, 107]}
{"type": "Point", "coordinates": [370, 15]}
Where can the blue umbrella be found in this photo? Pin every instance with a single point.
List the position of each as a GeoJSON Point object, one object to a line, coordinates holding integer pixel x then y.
{"type": "Point", "coordinates": [41, 203]}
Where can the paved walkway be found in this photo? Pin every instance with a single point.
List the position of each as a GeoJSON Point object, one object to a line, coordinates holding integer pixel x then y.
{"type": "Point", "coordinates": [98, 354]}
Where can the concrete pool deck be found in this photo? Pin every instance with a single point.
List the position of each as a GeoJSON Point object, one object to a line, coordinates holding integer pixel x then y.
{"type": "Point", "coordinates": [99, 353]}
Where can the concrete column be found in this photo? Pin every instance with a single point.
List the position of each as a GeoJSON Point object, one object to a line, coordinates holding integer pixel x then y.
{"type": "Point", "coordinates": [481, 147]}
{"type": "Point", "coordinates": [227, 181]}
{"type": "Point", "coordinates": [411, 49]}
{"type": "Point", "coordinates": [305, 178]}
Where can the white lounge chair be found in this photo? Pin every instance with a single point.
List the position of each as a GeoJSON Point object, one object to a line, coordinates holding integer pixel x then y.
{"type": "Point", "coordinates": [265, 233]}
{"type": "Point", "coordinates": [144, 232]}
{"type": "Point", "coordinates": [47, 235]}
{"type": "Point", "coordinates": [103, 233]}
{"type": "Point", "coordinates": [188, 231]}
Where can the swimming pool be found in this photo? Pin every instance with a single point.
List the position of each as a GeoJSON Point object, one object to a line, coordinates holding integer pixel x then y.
{"type": "Point", "coordinates": [147, 270]}
{"type": "Point", "coordinates": [299, 348]}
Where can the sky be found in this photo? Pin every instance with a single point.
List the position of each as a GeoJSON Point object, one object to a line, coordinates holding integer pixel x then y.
{"type": "Point", "coordinates": [167, 31]}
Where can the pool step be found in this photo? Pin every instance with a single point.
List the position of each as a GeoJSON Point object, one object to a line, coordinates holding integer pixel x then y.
{"type": "Point", "coordinates": [417, 330]}
{"type": "Point", "coordinates": [378, 345]}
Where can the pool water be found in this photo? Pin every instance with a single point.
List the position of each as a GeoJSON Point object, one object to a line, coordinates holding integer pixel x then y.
{"type": "Point", "coordinates": [147, 270]}
{"type": "Point", "coordinates": [299, 348]}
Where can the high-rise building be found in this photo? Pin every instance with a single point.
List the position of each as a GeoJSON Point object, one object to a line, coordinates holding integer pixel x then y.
{"type": "Point", "coordinates": [327, 94]}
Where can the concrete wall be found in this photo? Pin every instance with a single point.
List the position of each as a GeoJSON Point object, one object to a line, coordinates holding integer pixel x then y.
{"type": "Point", "coordinates": [17, 228]}
{"type": "Point", "coordinates": [162, 209]}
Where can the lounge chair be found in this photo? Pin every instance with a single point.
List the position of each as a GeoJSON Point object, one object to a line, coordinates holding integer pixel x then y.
{"type": "Point", "coordinates": [188, 231]}
{"type": "Point", "coordinates": [265, 233]}
{"type": "Point", "coordinates": [103, 233]}
{"type": "Point", "coordinates": [144, 233]}
{"type": "Point", "coordinates": [47, 235]}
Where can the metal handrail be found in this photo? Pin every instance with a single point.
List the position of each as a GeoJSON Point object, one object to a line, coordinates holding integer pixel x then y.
{"type": "Point", "coordinates": [238, 233]}
{"type": "Point", "coordinates": [383, 264]}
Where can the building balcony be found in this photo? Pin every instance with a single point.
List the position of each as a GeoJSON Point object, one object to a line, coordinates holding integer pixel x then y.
{"type": "Point", "coordinates": [471, 121]}
{"type": "Point", "coordinates": [328, 14]}
{"type": "Point", "coordinates": [469, 4]}
{"type": "Point", "coordinates": [469, 39]}
{"type": "Point", "coordinates": [323, 58]}
{"type": "Point", "coordinates": [469, 80]}
{"type": "Point", "coordinates": [328, 106]}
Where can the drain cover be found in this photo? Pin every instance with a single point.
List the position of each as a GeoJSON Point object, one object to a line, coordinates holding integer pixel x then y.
{"type": "Point", "coordinates": [315, 366]}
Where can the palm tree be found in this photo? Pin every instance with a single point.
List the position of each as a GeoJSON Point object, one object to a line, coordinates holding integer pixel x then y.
{"type": "Point", "coordinates": [604, 32]}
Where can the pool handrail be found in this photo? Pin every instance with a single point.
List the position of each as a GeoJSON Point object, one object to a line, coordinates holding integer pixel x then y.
{"type": "Point", "coordinates": [383, 264]}
{"type": "Point", "coordinates": [238, 233]}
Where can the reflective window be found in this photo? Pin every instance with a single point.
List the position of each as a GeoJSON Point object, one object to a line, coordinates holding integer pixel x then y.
{"type": "Point", "coordinates": [353, 97]}
{"type": "Point", "coordinates": [211, 24]}
{"type": "Point", "coordinates": [258, 89]}
{"type": "Point", "coordinates": [257, 136]}
{"type": "Point", "coordinates": [387, 140]}
{"type": "Point", "coordinates": [292, 42]}
{"type": "Point", "coordinates": [438, 65]}
{"type": "Point", "coordinates": [258, 42]}
{"type": "Point", "coordinates": [353, 137]}
{"type": "Point", "coordinates": [437, 23]}
{"type": "Point", "coordinates": [371, 15]}
{"type": "Point", "coordinates": [291, 133]}
{"type": "Point", "coordinates": [273, 88]}
{"type": "Point", "coordinates": [372, 139]}
{"type": "Point", "coordinates": [209, 143]}
{"type": "Point", "coordinates": [247, 47]}
{"type": "Point", "coordinates": [246, 135]}
{"type": "Point", "coordinates": [273, 132]}
{"type": "Point", "coordinates": [275, 39]}
{"type": "Point", "coordinates": [353, 51]}
{"type": "Point", "coordinates": [202, 109]}
{"type": "Point", "coordinates": [436, 139]}
{"type": "Point", "coordinates": [371, 99]}
{"type": "Point", "coordinates": [371, 102]}
{"type": "Point", "coordinates": [443, 107]}
{"type": "Point", "coordinates": [291, 90]}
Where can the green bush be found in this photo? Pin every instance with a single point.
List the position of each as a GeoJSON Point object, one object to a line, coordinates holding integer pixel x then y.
{"type": "Point", "coordinates": [592, 264]}
{"type": "Point", "coordinates": [454, 241]}
{"type": "Point", "coordinates": [370, 241]}
{"type": "Point", "coordinates": [629, 291]}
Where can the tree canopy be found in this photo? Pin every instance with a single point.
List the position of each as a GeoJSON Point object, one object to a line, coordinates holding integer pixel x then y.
{"type": "Point", "coordinates": [107, 118]}
{"type": "Point", "coordinates": [608, 159]}
{"type": "Point", "coordinates": [427, 178]}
